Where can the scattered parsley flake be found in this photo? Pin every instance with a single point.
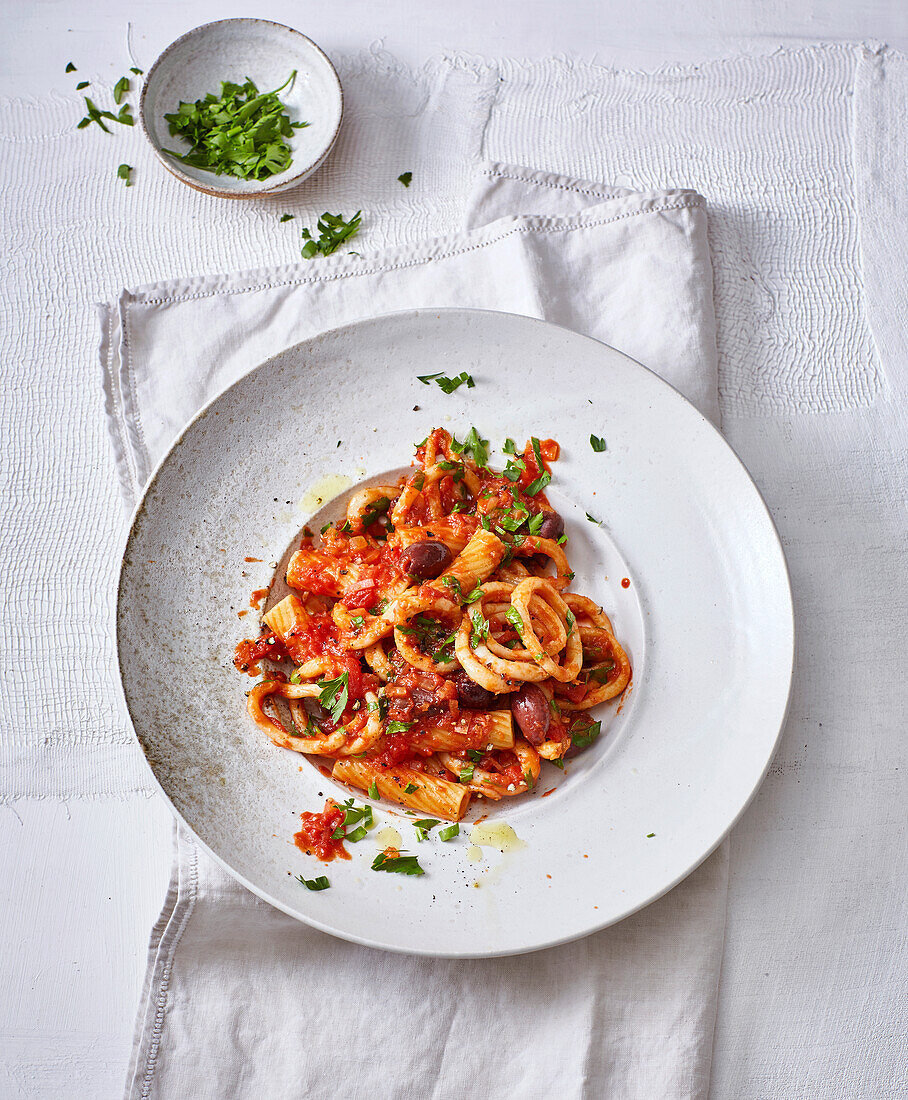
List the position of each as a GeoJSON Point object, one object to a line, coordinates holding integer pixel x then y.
{"type": "Point", "coordinates": [333, 230]}
{"type": "Point", "coordinates": [597, 443]}
{"type": "Point", "coordinates": [449, 832]}
{"type": "Point", "coordinates": [287, 217]}
{"type": "Point", "coordinates": [400, 864]}
{"type": "Point", "coordinates": [320, 883]}
{"type": "Point", "coordinates": [373, 789]}
{"type": "Point", "coordinates": [649, 835]}
{"type": "Point", "coordinates": [82, 84]}
{"type": "Point", "coordinates": [397, 727]}
{"type": "Point", "coordinates": [466, 774]}
{"type": "Point", "coordinates": [405, 178]}
{"type": "Point", "coordinates": [123, 173]}
{"type": "Point", "coordinates": [121, 87]}
{"type": "Point", "coordinates": [336, 690]}
{"type": "Point", "coordinates": [475, 445]}
{"type": "Point", "coordinates": [70, 68]}
{"type": "Point", "coordinates": [584, 731]}
{"type": "Point", "coordinates": [593, 519]}
{"type": "Point", "coordinates": [138, 72]}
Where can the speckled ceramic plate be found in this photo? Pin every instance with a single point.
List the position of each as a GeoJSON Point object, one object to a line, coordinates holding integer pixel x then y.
{"type": "Point", "coordinates": [233, 49]}
{"type": "Point", "coordinates": [706, 619]}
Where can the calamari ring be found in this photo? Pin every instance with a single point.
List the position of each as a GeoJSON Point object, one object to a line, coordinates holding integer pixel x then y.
{"type": "Point", "coordinates": [373, 630]}
{"type": "Point", "coordinates": [404, 609]}
{"type": "Point", "coordinates": [598, 635]}
{"type": "Point", "coordinates": [360, 503]}
{"type": "Point", "coordinates": [540, 611]}
{"type": "Point", "coordinates": [573, 654]}
{"type": "Point", "coordinates": [378, 661]}
{"type": "Point", "coordinates": [533, 544]}
{"type": "Point", "coordinates": [473, 666]}
{"type": "Point", "coordinates": [327, 743]}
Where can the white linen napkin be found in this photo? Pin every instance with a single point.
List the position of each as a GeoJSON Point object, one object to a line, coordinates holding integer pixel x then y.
{"type": "Point", "coordinates": [241, 1000]}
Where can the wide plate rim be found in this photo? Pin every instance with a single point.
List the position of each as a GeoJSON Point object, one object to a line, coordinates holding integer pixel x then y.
{"type": "Point", "coordinates": [375, 942]}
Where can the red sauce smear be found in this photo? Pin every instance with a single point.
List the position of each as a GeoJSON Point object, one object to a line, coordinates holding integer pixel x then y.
{"type": "Point", "coordinates": [252, 559]}
{"type": "Point", "coordinates": [626, 583]}
{"type": "Point", "coordinates": [255, 600]}
{"type": "Point", "coordinates": [315, 839]}
{"type": "Point", "coordinates": [545, 794]}
{"type": "Point", "coordinates": [248, 652]}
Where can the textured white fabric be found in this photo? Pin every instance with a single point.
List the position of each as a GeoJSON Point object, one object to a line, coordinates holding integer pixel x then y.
{"type": "Point", "coordinates": [630, 1011]}
{"type": "Point", "coordinates": [801, 159]}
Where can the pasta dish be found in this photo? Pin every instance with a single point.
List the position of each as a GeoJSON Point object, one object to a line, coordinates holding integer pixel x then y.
{"type": "Point", "coordinates": [438, 651]}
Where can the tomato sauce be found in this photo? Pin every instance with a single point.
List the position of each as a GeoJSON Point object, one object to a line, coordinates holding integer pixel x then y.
{"type": "Point", "coordinates": [315, 839]}
{"type": "Point", "coordinates": [248, 652]}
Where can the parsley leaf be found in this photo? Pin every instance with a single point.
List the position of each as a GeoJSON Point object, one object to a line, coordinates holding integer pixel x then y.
{"type": "Point", "coordinates": [332, 232]}
{"type": "Point", "coordinates": [513, 617]}
{"type": "Point", "coordinates": [473, 596]}
{"type": "Point", "coordinates": [240, 133]}
{"type": "Point", "coordinates": [82, 84]}
{"type": "Point", "coordinates": [648, 835]}
{"type": "Point", "coordinates": [373, 789]}
{"type": "Point", "coordinates": [320, 883]}
{"type": "Point", "coordinates": [121, 87]}
{"type": "Point", "coordinates": [399, 864]}
{"type": "Point", "coordinates": [138, 72]}
{"type": "Point", "coordinates": [445, 384]}
{"type": "Point", "coordinates": [70, 67]}
{"type": "Point", "coordinates": [480, 630]}
{"type": "Point", "coordinates": [544, 477]}
{"type": "Point", "coordinates": [449, 833]}
{"type": "Point", "coordinates": [405, 178]}
{"type": "Point", "coordinates": [286, 217]}
{"type": "Point", "coordinates": [334, 695]}
{"type": "Point", "coordinates": [123, 173]}
{"type": "Point", "coordinates": [466, 773]}
{"type": "Point", "coordinates": [397, 727]}
{"type": "Point", "coordinates": [597, 443]}
{"type": "Point", "coordinates": [584, 731]}
{"type": "Point", "coordinates": [593, 519]}
{"type": "Point", "coordinates": [509, 447]}
{"type": "Point", "coordinates": [475, 445]}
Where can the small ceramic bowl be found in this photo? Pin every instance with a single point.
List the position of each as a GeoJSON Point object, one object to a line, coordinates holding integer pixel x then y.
{"type": "Point", "coordinates": [233, 49]}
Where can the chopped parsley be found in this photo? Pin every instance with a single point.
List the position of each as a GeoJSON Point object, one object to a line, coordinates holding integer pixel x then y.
{"type": "Point", "coordinates": [138, 72]}
{"type": "Point", "coordinates": [571, 621]}
{"type": "Point", "coordinates": [473, 596]}
{"type": "Point", "coordinates": [397, 727]}
{"type": "Point", "coordinates": [466, 774]}
{"type": "Point", "coordinates": [597, 443]}
{"type": "Point", "coordinates": [121, 87]}
{"type": "Point", "coordinates": [480, 629]}
{"type": "Point", "coordinates": [584, 731]}
{"type": "Point", "coordinates": [82, 84]}
{"type": "Point", "coordinates": [650, 835]}
{"type": "Point", "coordinates": [357, 622]}
{"type": "Point", "coordinates": [400, 864]}
{"type": "Point", "coordinates": [593, 519]}
{"type": "Point", "coordinates": [287, 217]}
{"type": "Point", "coordinates": [509, 448]}
{"type": "Point", "coordinates": [334, 695]}
{"type": "Point", "coordinates": [405, 178]}
{"type": "Point", "coordinates": [422, 825]}
{"type": "Point", "coordinates": [378, 507]}
{"type": "Point", "coordinates": [410, 788]}
{"type": "Point", "coordinates": [513, 617]}
{"type": "Point", "coordinates": [70, 67]}
{"type": "Point", "coordinates": [449, 832]}
{"type": "Point", "coordinates": [445, 384]}
{"type": "Point", "coordinates": [123, 173]}
{"type": "Point", "coordinates": [320, 883]}
{"type": "Point", "coordinates": [93, 113]}
{"type": "Point", "coordinates": [474, 445]}
{"type": "Point", "coordinates": [242, 132]}
{"type": "Point", "coordinates": [373, 789]}
{"type": "Point", "coordinates": [333, 230]}
{"type": "Point", "coordinates": [544, 477]}
{"type": "Point", "coordinates": [361, 816]}
{"type": "Point", "coordinates": [535, 522]}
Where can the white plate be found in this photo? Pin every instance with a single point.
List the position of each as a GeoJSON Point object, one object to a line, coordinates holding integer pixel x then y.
{"type": "Point", "coordinates": [233, 49]}
{"type": "Point", "coordinates": [706, 620]}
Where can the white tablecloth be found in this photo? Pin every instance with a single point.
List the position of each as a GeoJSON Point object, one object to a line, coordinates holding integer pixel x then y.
{"type": "Point", "coordinates": [801, 157]}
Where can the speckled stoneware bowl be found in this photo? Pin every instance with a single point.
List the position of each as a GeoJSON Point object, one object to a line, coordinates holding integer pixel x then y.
{"type": "Point", "coordinates": [706, 619]}
{"type": "Point", "coordinates": [233, 49]}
